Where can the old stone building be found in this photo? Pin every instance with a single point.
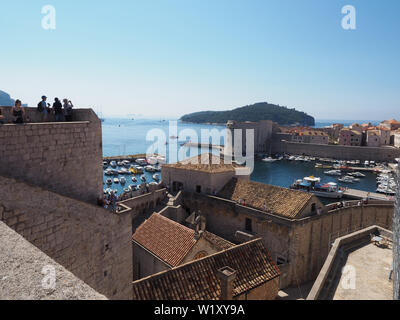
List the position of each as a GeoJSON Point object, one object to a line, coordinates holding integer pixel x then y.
{"type": "Point", "coordinates": [262, 135]}
{"type": "Point", "coordinates": [243, 272]}
{"type": "Point", "coordinates": [161, 244]}
{"type": "Point", "coordinates": [205, 173]}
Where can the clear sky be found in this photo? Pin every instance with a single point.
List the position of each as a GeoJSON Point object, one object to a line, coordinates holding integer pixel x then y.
{"type": "Point", "coordinates": [166, 58]}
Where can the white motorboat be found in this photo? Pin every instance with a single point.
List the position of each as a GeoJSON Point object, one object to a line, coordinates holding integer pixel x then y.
{"type": "Point", "coordinates": [134, 179]}
{"type": "Point", "coordinates": [113, 164]}
{"type": "Point", "coordinates": [141, 162]}
{"type": "Point", "coordinates": [150, 169]}
{"type": "Point", "coordinates": [109, 181]}
{"type": "Point", "coordinates": [143, 178]}
{"type": "Point", "coordinates": [116, 180]}
{"type": "Point", "coordinates": [156, 177]}
{"type": "Point", "coordinates": [357, 174]}
{"type": "Point", "coordinates": [348, 179]}
{"type": "Point", "coordinates": [269, 159]}
{"type": "Point", "coordinates": [333, 173]}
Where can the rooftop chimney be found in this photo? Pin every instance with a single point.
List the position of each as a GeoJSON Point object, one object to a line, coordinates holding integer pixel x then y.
{"type": "Point", "coordinates": [226, 276]}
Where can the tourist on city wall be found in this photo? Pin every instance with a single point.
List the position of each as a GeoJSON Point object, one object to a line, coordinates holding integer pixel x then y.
{"type": "Point", "coordinates": [58, 112]}
{"type": "Point", "coordinates": [43, 108]}
{"type": "Point", "coordinates": [67, 104]}
{"type": "Point", "coordinates": [17, 113]}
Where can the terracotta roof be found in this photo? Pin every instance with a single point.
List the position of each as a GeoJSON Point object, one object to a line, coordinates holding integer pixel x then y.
{"type": "Point", "coordinates": [218, 242]}
{"type": "Point", "coordinates": [198, 280]}
{"type": "Point", "coordinates": [165, 238]}
{"type": "Point", "coordinates": [280, 201]}
{"type": "Point", "coordinates": [206, 162]}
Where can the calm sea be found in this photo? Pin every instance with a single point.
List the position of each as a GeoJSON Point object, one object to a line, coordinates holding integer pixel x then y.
{"type": "Point", "coordinates": [128, 137]}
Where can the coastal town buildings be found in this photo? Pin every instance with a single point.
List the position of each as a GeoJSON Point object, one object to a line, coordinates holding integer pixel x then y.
{"type": "Point", "coordinates": [348, 137]}
{"type": "Point", "coordinates": [391, 124]}
{"type": "Point", "coordinates": [397, 139]}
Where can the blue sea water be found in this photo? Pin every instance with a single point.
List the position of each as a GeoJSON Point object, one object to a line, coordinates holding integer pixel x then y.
{"type": "Point", "coordinates": [128, 137]}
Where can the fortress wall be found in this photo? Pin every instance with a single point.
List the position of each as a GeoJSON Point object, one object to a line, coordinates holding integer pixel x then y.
{"type": "Point", "coordinates": [336, 152]}
{"type": "Point", "coordinates": [91, 242]}
{"type": "Point", "coordinates": [63, 157]}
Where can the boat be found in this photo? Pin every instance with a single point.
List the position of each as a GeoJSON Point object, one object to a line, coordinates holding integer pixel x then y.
{"type": "Point", "coordinates": [366, 163]}
{"type": "Point", "coordinates": [333, 173]}
{"type": "Point", "coordinates": [132, 187]}
{"type": "Point", "coordinates": [291, 158]}
{"type": "Point", "coordinates": [116, 180]}
{"type": "Point", "coordinates": [113, 164]}
{"type": "Point", "coordinates": [122, 180]}
{"type": "Point", "coordinates": [134, 179]}
{"type": "Point", "coordinates": [109, 181]}
{"type": "Point", "coordinates": [126, 190]}
{"type": "Point", "coordinates": [156, 177]}
{"type": "Point", "coordinates": [348, 179]}
{"type": "Point", "coordinates": [139, 169]}
{"type": "Point", "coordinates": [313, 185]}
{"type": "Point", "coordinates": [141, 162]}
{"type": "Point", "coordinates": [150, 169]}
{"type": "Point", "coordinates": [143, 178]}
{"type": "Point", "coordinates": [357, 174]}
{"type": "Point", "coordinates": [269, 159]}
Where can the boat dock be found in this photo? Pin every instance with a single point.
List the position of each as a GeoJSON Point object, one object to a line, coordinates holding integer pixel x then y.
{"type": "Point", "coordinates": [203, 145]}
{"type": "Point", "coordinates": [359, 195]}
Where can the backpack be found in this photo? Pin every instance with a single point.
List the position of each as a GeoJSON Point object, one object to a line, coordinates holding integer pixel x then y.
{"type": "Point", "coordinates": [40, 107]}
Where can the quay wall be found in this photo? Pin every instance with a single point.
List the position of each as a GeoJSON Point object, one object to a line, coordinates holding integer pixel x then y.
{"type": "Point", "coordinates": [301, 246]}
{"type": "Point", "coordinates": [89, 241]}
{"type": "Point", "coordinates": [384, 154]}
{"type": "Point", "coordinates": [63, 157]}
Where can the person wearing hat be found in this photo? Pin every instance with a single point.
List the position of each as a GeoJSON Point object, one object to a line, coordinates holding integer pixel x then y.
{"type": "Point", "coordinates": [43, 108]}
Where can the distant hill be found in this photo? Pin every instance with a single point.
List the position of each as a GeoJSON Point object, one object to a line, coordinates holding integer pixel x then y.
{"type": "Point", "coordinates": [5, 99]}
{"type": "Point", "coordinates": [255, 112]}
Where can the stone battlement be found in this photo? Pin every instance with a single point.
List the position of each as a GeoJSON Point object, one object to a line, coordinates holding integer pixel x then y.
{"type": "Point", "coordinates": [65, 157]}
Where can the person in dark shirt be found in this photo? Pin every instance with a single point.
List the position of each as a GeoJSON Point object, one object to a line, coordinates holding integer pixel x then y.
{"type": "Point", "coordinates": [18, 113]}
{"type": "Point", "coordinates": [58, 112]}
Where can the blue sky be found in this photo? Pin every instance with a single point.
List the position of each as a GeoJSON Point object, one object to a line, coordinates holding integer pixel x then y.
{"type": "Point", "coordinates": [165, 58]}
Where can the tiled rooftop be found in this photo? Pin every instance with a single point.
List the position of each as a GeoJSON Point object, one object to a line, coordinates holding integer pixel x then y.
{"type": "Point", "coordinates": [165, 238]}
{"type": "Point", "coordinates": [198, 280]}
{"type": "Point", "coordinates": [205, 162]}
{"type": "Point", "coordinates": [280, 201]}
{"type": "Point", "coordinates": [171, 241]}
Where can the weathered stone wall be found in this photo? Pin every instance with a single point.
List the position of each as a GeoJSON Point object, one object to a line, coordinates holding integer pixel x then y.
{"type": "Point", "coordinates": [145, 263]}
{"type": "Point", "coordinates": [336, 152]}
{"type": "Point", "coordinates": [62, 157]}
{"type": "Point", "coordinates": [91, 242]}
{"type": "Point", "coordinates": [303, 243]}
{"type": "Point", "coordinates": [21, 266]}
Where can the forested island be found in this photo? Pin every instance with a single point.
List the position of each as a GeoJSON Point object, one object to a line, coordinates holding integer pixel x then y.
{"type": "Point", "coordinates": [255, 112]}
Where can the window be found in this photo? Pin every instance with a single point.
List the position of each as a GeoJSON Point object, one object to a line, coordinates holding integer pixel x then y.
{"type": "Point", "coordinates": [248, 225]}
{"type": "Point", "coordinates": [198, 189]}
{"type": "Point", "coordinates": [313, 208]}
{"type": "Point", "coordinates": [280, 260]}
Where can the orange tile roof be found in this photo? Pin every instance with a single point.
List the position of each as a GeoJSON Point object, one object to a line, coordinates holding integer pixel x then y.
{"type": "Point", "coordinates": [280, 201]}
{"type": "Point", "coordinates": [198, 280]}
{"type": "Point", "coordinates": [165, 238]}
{"type": "Point", "coordinates": [206, 162]}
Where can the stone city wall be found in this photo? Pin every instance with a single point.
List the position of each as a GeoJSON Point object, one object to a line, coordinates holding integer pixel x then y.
{"type": "Point", "coordinates": [337, 152]}
{"type": "Point", "coordinates": [91, 242]}
{"type": "Point", "coordinates": [62, 157]}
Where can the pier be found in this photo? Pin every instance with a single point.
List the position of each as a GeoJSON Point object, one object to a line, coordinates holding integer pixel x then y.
{"type": "Point", "coordinates": [359, 195]}
{"type": "Point", "coordinates": [203, 145]}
